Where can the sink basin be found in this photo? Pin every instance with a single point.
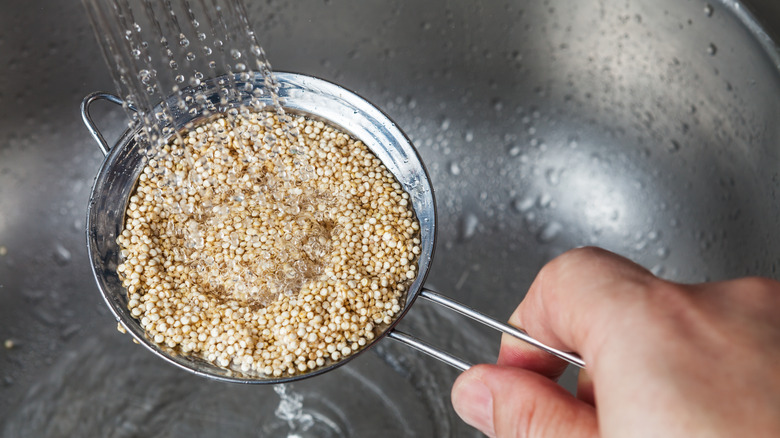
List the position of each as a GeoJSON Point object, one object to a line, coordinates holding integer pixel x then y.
{"type": "Point", "coordinates": [649, 128]}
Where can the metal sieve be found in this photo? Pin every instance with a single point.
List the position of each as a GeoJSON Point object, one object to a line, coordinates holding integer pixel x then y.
{"type": "Point", "coordinates": [316, 99]}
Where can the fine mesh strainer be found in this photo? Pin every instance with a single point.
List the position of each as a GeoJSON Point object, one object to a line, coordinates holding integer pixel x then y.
{"type": "Point", "coordinates": [313, 98]}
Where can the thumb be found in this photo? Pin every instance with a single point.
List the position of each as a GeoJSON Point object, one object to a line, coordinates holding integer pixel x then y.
{"type": "Point", "coordinates": [512, 402]}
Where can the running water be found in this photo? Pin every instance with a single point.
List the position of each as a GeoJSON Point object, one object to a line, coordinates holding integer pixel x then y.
{"type": "Point", "coordinates": [162, 53]}
{"type": "Point", "coordinates": [166, 58]}
{"type": "Point", "coordinates": [290, 409]}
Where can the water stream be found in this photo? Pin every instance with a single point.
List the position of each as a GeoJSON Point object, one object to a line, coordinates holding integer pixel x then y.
{"type": "Point", "coordinates": [160, 53]}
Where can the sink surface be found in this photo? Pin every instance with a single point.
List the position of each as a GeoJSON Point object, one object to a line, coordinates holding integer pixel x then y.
{"type": "Point", "coordinates": [647, 127]}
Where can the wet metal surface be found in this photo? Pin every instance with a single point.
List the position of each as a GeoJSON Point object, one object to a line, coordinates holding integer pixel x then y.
{"type": "Point", "coordinates": [647, 127]}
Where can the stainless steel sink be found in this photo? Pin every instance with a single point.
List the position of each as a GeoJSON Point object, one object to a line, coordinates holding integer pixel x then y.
{"type": "Point", "coordinates": [647, 127]}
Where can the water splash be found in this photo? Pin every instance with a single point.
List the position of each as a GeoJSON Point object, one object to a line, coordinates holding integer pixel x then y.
{"type": "Point", "coordinates": [153, 48]}
{"type": "Point", "coordinates": [290, 410]}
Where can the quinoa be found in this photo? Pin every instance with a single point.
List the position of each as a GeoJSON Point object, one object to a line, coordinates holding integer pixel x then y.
{"type": "Point", "coordinates": [264, 253]}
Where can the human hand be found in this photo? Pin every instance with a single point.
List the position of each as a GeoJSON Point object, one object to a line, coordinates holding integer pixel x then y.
{"type": "Point", "coordinates": [663, 359]}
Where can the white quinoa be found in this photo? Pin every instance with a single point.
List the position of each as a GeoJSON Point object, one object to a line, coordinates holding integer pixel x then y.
{"type": "Point", "coordinates": [264, 256]}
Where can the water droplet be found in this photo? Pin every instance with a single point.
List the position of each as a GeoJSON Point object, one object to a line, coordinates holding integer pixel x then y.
{"type": "Point", "coordinates": [455, 168]}
{"type": "Point", "coordinates": [653, 235]}
{"type": "Point", "coordinates": [69, 331]}
{"type": "Point", "coordinates": [545, 199]}
{"type": "Point", "coordinates": [658, 270]}
{"type": "Point", "coordinates": [190, 56]}
{"type": "Point", "coordinates": [34, 294]}
{"type": "Point", "coordinates": [712, 49]}
{"type": "Point", "coordinates": [179, 78]}
{"type": "Point", "coordinates": [549, 232]}
{"type": "Point", "coordinates": [469, 136]}
{"type": "Point", "coordinates": [663, 252]}
{"type": "Point", "coordinates": [515, 150]}
{"type": "Point", "coordinates": [235, 53]}
{"type": "Point", "coordinates": [523, 205]}
{"type": "Point", "coordinates": [553, 176]}
{"type": "Point", "coordinates": [183, 41]}
{"type": "Point", "coordinates": [468, 226]}
{"type": "Point", "coordinates": [708, 10]}
{"type": "Point", "coordinates": [674, 146]}
{"type": "Point", "coordinates": [62, 255]}
{"type": "Point", "coordinates": [145, 76]}
{"type": "Point", "coordinates": [524, 158]}
{"type": "Point", "coordinates": [46, 316]}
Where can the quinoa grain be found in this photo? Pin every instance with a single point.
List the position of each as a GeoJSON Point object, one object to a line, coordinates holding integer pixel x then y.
{"type": "Point", "coordinates": [267, 257]}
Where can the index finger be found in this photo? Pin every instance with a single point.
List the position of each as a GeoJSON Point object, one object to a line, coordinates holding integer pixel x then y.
{"type": "Point", "coordinates": [571, 305]}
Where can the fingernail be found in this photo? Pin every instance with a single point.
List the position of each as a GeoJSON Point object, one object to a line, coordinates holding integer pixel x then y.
{"type": "Point", "coordinates": [473, 402]}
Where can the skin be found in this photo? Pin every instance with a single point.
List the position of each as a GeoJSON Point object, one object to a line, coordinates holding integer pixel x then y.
{"type": "Point", "coordinates": [663, 359]}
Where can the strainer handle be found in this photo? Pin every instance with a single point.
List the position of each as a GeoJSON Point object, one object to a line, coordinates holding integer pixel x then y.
{"type": "Point", "coordinates": [87, 118]}
{"type": "Point", "coordinates": [484, 319]}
